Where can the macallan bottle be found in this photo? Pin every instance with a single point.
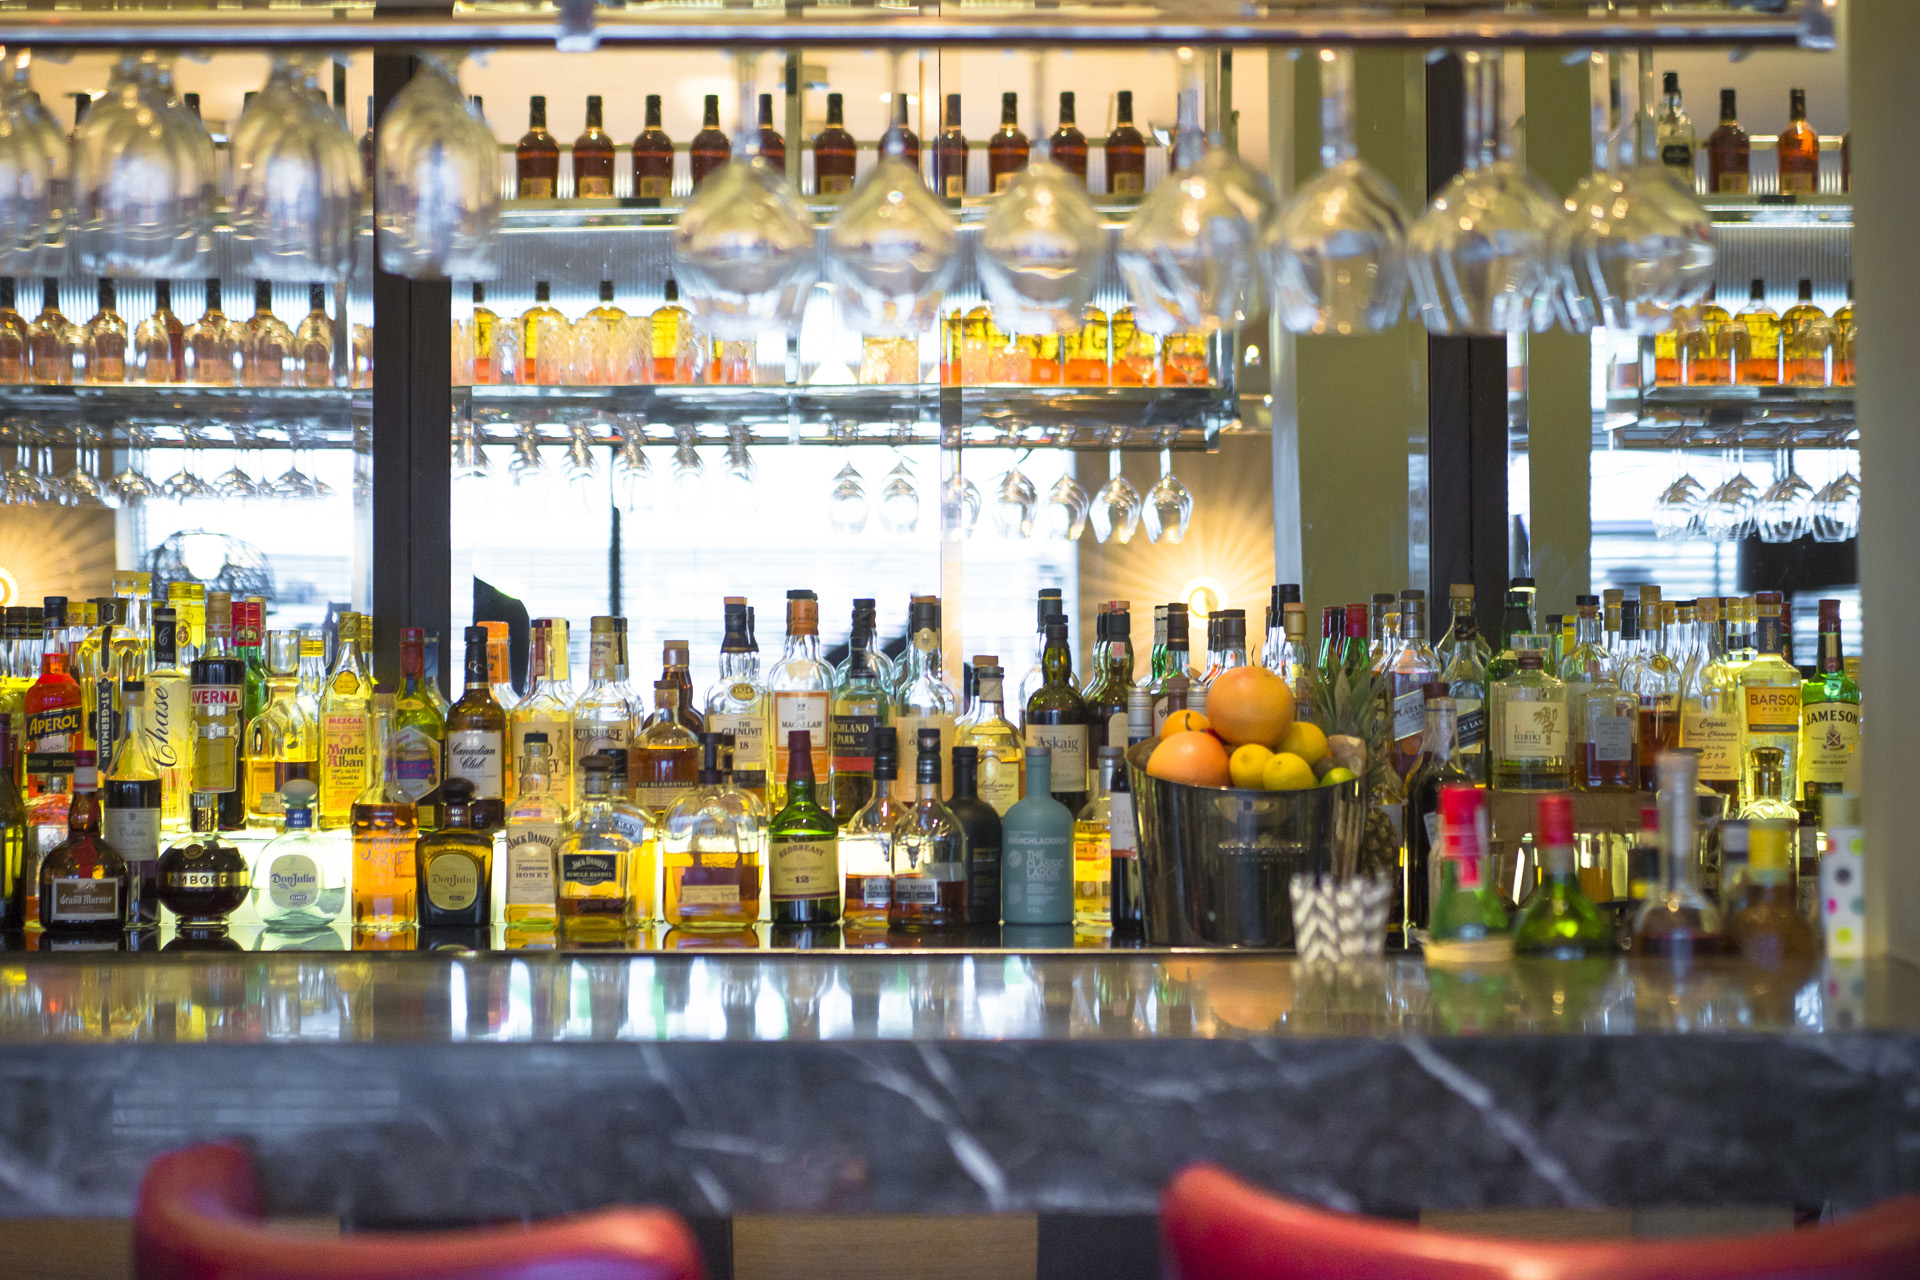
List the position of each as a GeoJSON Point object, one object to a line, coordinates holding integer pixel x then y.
{"type": "Point", "coordinates": [1728, 152]}
{"type": "Point", "coordinates": [899, 140]}
{"type": "Point", "coordinates": [833, 151]}
{"type": "Point", "coordinates": [653, 157]}
{"type": "Point", "coordinates": [1126, 152]}
{"type": "Point", "coordinates": [1067, 147]}
{"type": "Point", "coordinates": [708, 150]}
{"type": "Point", "coordinates": [1799, 150]}
{"type": "Point", "coordinates": [950, 154]}
{"type": "Point", "coordinates": [773, 147]}
{"type": "Point", "coordinates": [593, 157]}
{"type": "Point", "coordinates": [537, 158]}
{"type": "Point", "coordinates": [1007, 149]}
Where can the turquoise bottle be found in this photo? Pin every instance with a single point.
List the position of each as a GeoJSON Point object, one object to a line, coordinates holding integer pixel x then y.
{"type": "Point", "coordinates": [1036, 867]}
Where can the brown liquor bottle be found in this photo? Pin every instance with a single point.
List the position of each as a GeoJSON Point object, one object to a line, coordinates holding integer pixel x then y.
{"type": "Point", "coordinates": [1126, 152]}
{"type": "Point", "coordinates": [899, 140]}
{"type": "Point", "coordinates": [772, 145]}
{"type": "Point", "coordinates": [537, 158]}
{"type": "Point", "coordinates": [653, 157]}
{"type": "Point", "coordinates": [1007, 149]}
{"type": "Point", "coordinates": [708, 150]}
{"type": "Point", "coordinates": [950, 154]}
{"type": "Point", "coordinates": [833, 152]}
{"type": "Point", "coordinates": [1799, 150]}
{"type": "Point", "coordinates": [593, 157]}
{"type": "Point", "coordinates": [1728, 152]}
{"type": "Point", "coordinates": [1068, 146]}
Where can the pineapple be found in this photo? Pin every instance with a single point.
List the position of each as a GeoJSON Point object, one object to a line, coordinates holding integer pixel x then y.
{"type": "Point", "coordinates": [1355, 708]}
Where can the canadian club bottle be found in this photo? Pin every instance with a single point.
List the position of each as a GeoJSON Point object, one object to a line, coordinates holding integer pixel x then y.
{"type": "Point", "coordinates": [477, 736]}
{"type": "Point", "coordinates": [1126, 152]}
{"type": "Point", "coordinates": [803, 847]}
{"type": "Point", "coordinates": [833, 153]}
{"type": "Point", "coordinates": [653, 157]}
{"type": "Point", "coordinates": [950, 154]}
{"type": "Point", "coordinates": [537, 158]}
{"type": "Point", "coordinates": [217, 684]}
{"type": "Point", "coordinates": [708, 150]}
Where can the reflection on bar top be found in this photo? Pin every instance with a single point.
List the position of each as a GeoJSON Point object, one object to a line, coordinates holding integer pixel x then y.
{"type": "Point", "coordinates": [795, 996]}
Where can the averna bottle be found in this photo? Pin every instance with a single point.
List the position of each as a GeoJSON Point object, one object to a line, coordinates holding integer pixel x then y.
{"type": "Point", "coordinates": [455, 864]}
{"type": "Point", "coordinates": [981, 827]}
{"type": "Point", "coordinates": [1036, 885]}
{"type": "Point", "coordinates": [84, 884]}
{"type": "Point", "coordinates": [300, 879]}
{"type": "Point", "coordinates": [803, 846]}
{"type": "Point", "coordinates": [1560, 922]}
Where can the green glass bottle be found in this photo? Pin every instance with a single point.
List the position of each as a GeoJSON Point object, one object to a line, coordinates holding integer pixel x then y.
{"type": "Point", "coordinates": [1560, 922]}
{"type": "Point", "coordinates": [1036, 880]}
{"type": "Point", "coordinates": [1112, 679]}
{"type": "Point", "coordinates": [1057, 719]}
{"type": "Point", "coordinates": [803, 846]}
{"type": "Point", "coordinates": [1467, 907]}
{"type": "Point", "coordinates": [1517, 622]}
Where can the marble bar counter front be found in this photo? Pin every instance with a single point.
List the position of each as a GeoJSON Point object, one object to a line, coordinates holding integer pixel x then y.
{"type": "Point", "coordinates": [466, 1086]}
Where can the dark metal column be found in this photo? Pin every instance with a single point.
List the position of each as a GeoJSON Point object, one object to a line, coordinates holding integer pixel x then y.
{"type": "Point", "coordinates": [412, 423]}
{"type": "Point", "coordinates": [1466, 412]}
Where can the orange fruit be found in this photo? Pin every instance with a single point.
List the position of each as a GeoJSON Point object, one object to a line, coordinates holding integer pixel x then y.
{"type": "Point", "coordinates": [1181, 721]}
{"type": "Point", "coordinates": [1250, 704]}
{"type": "Point", "coordinates": [1194, 758]}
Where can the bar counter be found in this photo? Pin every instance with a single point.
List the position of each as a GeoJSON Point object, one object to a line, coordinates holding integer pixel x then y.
{"type": "Point", "coordinates": [460, 1086]}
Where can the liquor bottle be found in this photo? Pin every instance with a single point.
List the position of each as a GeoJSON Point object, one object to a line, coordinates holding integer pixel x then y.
{"type": "Point", "coordinates": [16, 358]}
{"type": "Point", "coordinates": [980, 824]}
{"type": "Point", "coordinates": [1173, 663]}
{"type": "Point", "coordinates": [417, 740]}
{"type": "Point", "coordinates": [1704, 352]}
{"type": "Point", "coordinates": [1441, 766]}
{"type": "Point", "coordinates": [300, 877]}
{"type": "Point", "coordinates": [84, 886]}
{"type": "Point", "coordinates": [1560, 922]}
{"type": "Point", "coordinates": [664, 763]}
{"type": "Point", "coordinates": [800, 685]}
{"type": "Point", "coordinates": [367, 153]}
{"type": "Point", "coordinates": [859, 708]}
{"type": "Point", "coordinates": [313, 340]}
{"type": "Point", "coordinates": [1771, 694]}
{"type": "Point", "coordinates": [602, 716]}
{"type": "Point", "coordinates": [385, 829]}
{"type": "Point", "coordinates": [1087, 351]}
{"type": "Point", "coordinates": [1829, 716]}
{"type": "Point", "coordinates": [1727, 152]}
{"type": "Point", "coordinates": [1057, 719]}
{"type": "Point", "coordinates": [1111, 682]}
{"type": "Point", "coordinates": [773, 147]}
{"type": "Point", "coordinates": [1806, 338]}
{"type": "Point", "coordinates": [1754, 340]}
{"type": "Point", "coordinates": [1048, 608]}
{"type": "Point", "coordinates": [1409, 669]}
{"type": "Point", "coordinates": [1467, 906]}
{"type": "Point", "coordinates": [1677, 921]}
{"type": "Point", "coordinates": [202, 879]}
{"type": "Point", "coordinates": [105, 353]}
{"type": "Point", "coordinates": [1529, 726]}
{"type": "Point", "coordinates": [1007, 149]}
{"type": "Point", "coordinates": [168, 723]}
{"type": "Point", "coordinates": [922, 698]}
{"type": "Point", "coordinates": [1798, 149]}
{"type": "Point", "coordinates": [899, 140]}
{"type": "Point", "coordinates": [455, 864]}
{"type": "Point", "coordinates": [929, 852]}
{"type": "Point", "coordinates": [1713, 711]}
{"type": "Point", "coordinates": [593, 157]}
{"type": "Point", "coordinates": [987, 731]}
{"type": "Point", "coordinates": [803, 843]}
{"type": "Point", "coordinates": [1674, 132]}
{"type": "Point", "coordinates": [676, 661]}
{"type": "Point", "coordinates": [283, 741]}
{"type": "Point", "coordinates": [345, 707]}
{"type": "Point", "coordinates": [1037, 851]}
{"type": "Point", "coordinates": [595, 862]}
{"type": "Point", "coordinates": [1843, 333]}
{"type": "Point", "coordinates": [1463, 676]}
{"type": "Point", "coordinates": [212, 350]}
{"type": "Point", "coordinates": [739, 704]}
{"type": "Point", "coordinates": [1127, 908]}
{"type": "Point", "coordinates": [267, 343]}
{"type": "Point", "coordinates": [477, 736]}
{"type": "Point", "coordinates": [1654, 682]}
{"type": "Point", "coordinates": [1093, 846]}
{"type": "Point", "coordinates": [861, 633]}
{"type": "Point", "coordinates": [50, 353]}
{"type": "Point", "coordinates": [55, 724]}
{"type": "Point", "coordinates": [543, 328]}
{"type": "Point", "coordinates": [537, 157]}
{"type": "Point", "coordinates": [1767, 797]}
{"type": "Point", "coordinates": [482, 330]}
{"type": "Point", "coordinates": [1768, 927]}
{"type": "Point", "coordinates": [712, 851]}
{"type": "Point", "coordinates": [13, 839]}
{"type": "Point", "coordinates": [1602, 718]}
{"type": "Point", "coordinates": [131, 802]}
{"type": "Point", "coordinates": [653, 157]}
{"type": "Point", "coordinates": [218, 687]}
{"type": "Point", "coordinates": [709, 148]}
{"type": "Point", "coordinates": [866, 840]}
{"type": "Point", "coordinates": [676, 349]}
{"type": "Point", "coordinates": [1126, 151]}
{"type": "Point", "coordinates": [548, 706]}
{"type": "Point", "coordinates": [536, 828]}
{"type": "Point", "coordinates": [1067, 146]}
{"type": "Point", "coordinates": [834, 152]}
{"type": "Point", "coordinates": [950, 154]}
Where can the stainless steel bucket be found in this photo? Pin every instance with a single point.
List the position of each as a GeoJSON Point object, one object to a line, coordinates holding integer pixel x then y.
{"type": "Point", "coordinates": [1214, 865]}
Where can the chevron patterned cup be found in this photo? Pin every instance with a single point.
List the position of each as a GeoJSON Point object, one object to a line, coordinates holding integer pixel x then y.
{"type": "Point", "coordinates": [1339, 918]}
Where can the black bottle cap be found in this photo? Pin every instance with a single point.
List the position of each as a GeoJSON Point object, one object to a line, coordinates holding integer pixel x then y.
{"type": "Point", "coordinates": [542, 291]}
{"type": "Point", "coordinates": [886, 754]}
{"type": "Point", "coordinates": [606, 291]}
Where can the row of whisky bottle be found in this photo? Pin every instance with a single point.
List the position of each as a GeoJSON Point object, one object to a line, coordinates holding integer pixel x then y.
{"type": "Point", "coordinates": [1729, 150]}
{"type": "Point", "coordinates": [1758, 346]}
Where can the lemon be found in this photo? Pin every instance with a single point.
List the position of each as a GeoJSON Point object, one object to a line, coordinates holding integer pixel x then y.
{"type": "Point", "coordinates": [1287, 772]}
{"type": "Point", "coordinates": [1248, 765]}
{"type": "Point", "coordinates": [1341, 774]}
{"type": "Point", "coordinates": [1306, 741]}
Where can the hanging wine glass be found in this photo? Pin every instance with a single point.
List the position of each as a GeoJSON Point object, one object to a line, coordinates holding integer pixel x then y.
{"type": "Point", "coordinates": [744, 249]}
{"type": "Point", "coordinates": [469, 456]}
{"type": "Point", "coordinates": [1014, 502]}
{"type": "Point", "coordinates": [1676, 512]}
{"type": "Point", "coordinates": [527, 467]}
{"type": "Point", "coordinates": [1783, 512]}
{"type": "Point", "coordinates": [33, 172]}
{"type": "Point", "coordinates": [739, 472]}
{"type": "Point", "coordinates": [234, 484]}
{"type": "Point", "coordinates": [899, 500]}
{"type": "Point", "coordinates": [131, 485]}
{"type": "Point", "coordinates": [959, 506]}
{"type": "Point", "coordinates": [847, 507]}
{"type": "Point", "coordinates": [296, 177]}
{"type": "Point", "coordinates": [1481, 254]}
{"type": "Point", "coordinates": [144, 179]}
{"type": "Point", "coordinates": [437, 180]}
{"type": "Point", "coordinates": [1116, 508]}
{"type": "Point", "coordinates": [1065, 513]}
{"type": "Point", "coordinates": [581, 475]}
{"type": "Point", "coordinates": [1337, 253]}
{"type": "Point", "coordinates": [689, 475]}
{"type": "Point", "coordinates": [1726, 514]}
{"type": "Point", "coordinates": [1169, 504]}
{"type": "Point", "coordinates": [633, 476]}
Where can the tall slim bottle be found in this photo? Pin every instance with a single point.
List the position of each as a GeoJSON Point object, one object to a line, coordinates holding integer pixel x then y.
{"type": "Point", "coordinates": [922, 697]}
{"type": "Point", "coordinates": [13, 840]}
{"type": "Point", "coordinates": [803, 843]}
{"type": "Point", "coordinates": [603, 716]}
{"type": "Point", "coordinates": [739, 704]}
{"type": "Point", "coordinates": [1126, 151]}
{"type": "Point", "coordinates": [592, 157]}
{"type": "Point", "coordinates": [801, 687]}
{"type": "Point", "coordinates": [929, 852]}
{"type": "Point", "coordinates": [1007, 148]}
{"type": "Point", "coordinates": [1798, 149]}
{"type": "Point", "coordinates": [653, 157]}
{"type": "Point", "coordinates": [168, 723]}
{"type": "Point", "coordinates": [536, 827]}
{"type": "Point", "coordinates": [1057, 719]}
{"type": "Point", "coordinates": [1728, 152]}
{"type": "Point", "coordinates": [950, 154]}
{"type": "Point", "coordinates": [1771, 689]}
{"type": "Point", "coordinates": [131, 822]}
{"type": "Point", "coordinates": [477, 735]}
{"type": "Point", "coordinates": [1093, 846]}
{"type": "Point", "coordinates": [218, 688]}
{"type": "Point", "coordinates": [1036, 875]}
{"type": "Point", "coordinates": [548, 706]}
{"type": "Point", "coordinates": [1127, 909]}
{"type": "Point", "coordinates": [981, 826]}
{"type": "Point", "coordinates": [537, 157]}
{"type": "Point", "coordinates": [345, 710]}
{"type": "Point", "coordinates": [1409, 670]}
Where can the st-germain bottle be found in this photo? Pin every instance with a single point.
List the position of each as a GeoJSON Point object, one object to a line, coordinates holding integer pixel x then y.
{"type": "Point", "coordinates": [833, 153]}
{"type": "Point", "coordinates": [596, 861]}
{"type": "Point", "coordinates": [1126, 151]}
{"type": "Point", "coordinates": [950, 154]}
{"type": "Point", "coordinates": [929, 852]}
{"type": "Point", "coordinates": [981, 827]}
{"type": "Point", "coordinates": [1067, 146]}
{"type": "Point", "coordinates": [653, 157]}
{"type": "Point", "coordinates": [537, 157]}
{"type": "Point", "coordinates": [593, 157]}
{"type": "Point", "coordinates": [132, 801]}
{"type": "Point", "coordinates": [1007, 149]}
{"type": "Point", "coordinates": [1057, 719]}
{"type": "Point", "coordinates": [84, 884]}
{"type": "Point", "coordinates": [1036, 870]}
{"type": "Point", "coordinates": [803, 846]}
{"type": "Point", "coordinates": [455, 864]}
{"type": "Point", "coordinates": [1560, 922]}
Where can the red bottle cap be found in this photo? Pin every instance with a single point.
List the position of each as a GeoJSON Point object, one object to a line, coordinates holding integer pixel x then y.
{"type": "Point", "coordinates": [1463, 820]}
{"type": "Point", "coordinates": [1556, 819]}
{"type": "Point", "coordinates": [1649, 819]}
{"type": "Point", "coordinates": [1357, 621]}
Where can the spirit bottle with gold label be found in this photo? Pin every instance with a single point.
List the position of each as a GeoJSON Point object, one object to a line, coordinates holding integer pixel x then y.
{"type": "Point", "coordinates": [899, 140]}
{"type": "Point", "coordinates": [834, 152]}
{"type": "Point", "coordinates": [803, 843]}
{"type": "Point", "coordinates": [455, 864]}
{"type": "Point", "coordinates": [548, 706]}
{"type": "Point", "coordinates": [1126, 151]}
{"type": "Point", "coordinates": [1806, 338]}
{"type": "Point", "coordinates": [987, 730]}
{"type": "Point", "coordinates": [738, 703]}
{"type": "Point", "coordinates": [345, 707]}
{"type": "Point", "coordinates": [537, 157]}
{"type": "Point", "coordinates": [922, 697]}
{"type": "Point", "coordinates": [1829, 715]}
{"type": "Point", "coordinates": [595, 862]}
{"type": "Point", "coordinates": [1728, 152]}
{"type": "Point", "coordinates": [1067, 146]}
{"type": "Point", "coordinates": [1007, 149]}
{"type": "Point", "coordinates": [477, 736]}
{"type": "Point", "coordinates": [1798, 149]}
{"type": "Point", "coordinates": [709, 148]}
{"type": "Point", "coordinates": [711, 839]}
{"type": "Point", "coordinates": [1755, 340]}
{"type": "Point", "coordinates": [676, 349]}
{"type": "Point", "coordinates": [653, 157]}
{"type": "Point", "coordinates": [385, 829]}
{"type": "Point", "coordinates": [1770, 689]}
{"type": "Point", "coordinates": [593, 157]}
{"type": "Point", "coordinates": [536, 827]}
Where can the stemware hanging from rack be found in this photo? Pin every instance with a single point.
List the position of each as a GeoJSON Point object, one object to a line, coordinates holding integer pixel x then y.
{"type": "Point", "coordinates": [436, 180]}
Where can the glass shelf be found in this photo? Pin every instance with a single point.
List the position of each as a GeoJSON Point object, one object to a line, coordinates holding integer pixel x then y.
{"type": "Point", "coordinates": [1735, 417]}
{"type": "Point", "coordinates": [172, 416]}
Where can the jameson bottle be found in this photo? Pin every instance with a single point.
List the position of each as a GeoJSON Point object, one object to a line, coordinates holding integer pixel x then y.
{"type": "Point", "coordinates": [981, 826]}
{"type": "Point", "coordinates": [803, 846]}
{"type": "Point", "coordinates": [1036, 874]}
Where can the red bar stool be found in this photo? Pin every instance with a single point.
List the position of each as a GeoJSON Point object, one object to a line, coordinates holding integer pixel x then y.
{"type": "Point", "coordinates": [1216, 1227]}
{"type": "Point", "coordinates": [198, 1218]}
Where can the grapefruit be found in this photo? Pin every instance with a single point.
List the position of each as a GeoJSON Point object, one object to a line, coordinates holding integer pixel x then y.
{"type": "Point", "coordinates": [1250, 704]}
{"type": "Point", "coordinates": [1191, 757]}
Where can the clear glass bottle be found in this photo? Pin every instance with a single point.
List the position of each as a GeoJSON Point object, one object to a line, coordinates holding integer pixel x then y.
{"type": "Point", "coordinates": [1463, 658]}
{"type": "Point", "coordinates": [739, 704]}
{"type": "Point", "coordinates": [1093, 847]}
{"type": "Point", "coordinates": [131, 797]}
{"type": "Point", "coordinates": [712, 838]}
{"type": "Point", "coordinates": [603, 716]}
{"type": "Point", "coordinates": [1467, 906]}
{"type": "Point", "coordinates": [1674, 132]}
{"type": "Point", "coordinates": [1036, 870]}
{"type": "Point", "coordinates": [417, 738]}
{"type": "Point", "coordinates": [1768, 929]}
{"type": "Point", "coordinates": [268, 345]}
{"type": "Point", "coordinates": [1771, 689]}
{"type": "Point", "coordinates": [866, 841]}
{"type": "Point", "coordinates": [283, 743]}
{"type": "Point", "coordinates": [922, 698]}
{"type": "Point", "coordinates": [1714, 711]}
{"type": "Point", "coordinates": [987, 730]}
{"type": "Point", "coordinates": [860, 708]}
{"type": "Point", "coordinates": [106, 341]}
{"type": "Point", "coordinates": [536, 828]}
{"type": "Point", "coordinates": [1603, 719]}
{"type": "Point", "coordinates": [1409, 669]}
{"type": "Point", "coordinates": [801, 687]}
{"type": "Point", "coordinates": [1676, 921]}
{"type": "Point", "coordinates": [803, 842]}
{"type": "Point", "coordinates": [1528, 741]}
{"type": "Point", "coordinates": [455, 864]}
{"type": "Point", "coordinates": [385, 828]}
{"type": "Point", "coordinates": [1560, 922]}
{"type": "Point", "coordinates": [595, 862]}
{"type": "Point", "coordinates": [300, 877]}
{"type": "Point", "coordinates": [929, 852]}
{"type": "Point", "coordinates": [345, 725]}
{"type": "Point", "coordinates": [548, 706]}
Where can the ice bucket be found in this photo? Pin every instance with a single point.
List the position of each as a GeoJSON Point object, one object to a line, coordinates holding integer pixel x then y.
{"type": "Point", "coordinates": [1214, 865]}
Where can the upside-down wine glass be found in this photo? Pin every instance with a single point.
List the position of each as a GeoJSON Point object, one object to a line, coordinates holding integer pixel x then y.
{"type": "Point", "coordinates": [899, 500]}
{"type": "Point", "coordinates": [1014, 502]}
{"type": "Point", "coordinates": [296, 177]}
{"type": "Point", "coordinates": [145, 178]}
{"type": "Point", "coordinates": [1116, 508]}
{"type": "Point", "coordinates": [33, 175]}
{"type": "Point", "coordinates": [437, 179]}
{"type": "Point", "coordinates": [1783, 512]}
{"type": "Point", "coordinates": [1169, 503]}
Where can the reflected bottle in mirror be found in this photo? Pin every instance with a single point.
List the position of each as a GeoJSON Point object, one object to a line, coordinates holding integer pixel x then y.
{"type": "Point", "coordinates": [833, 153]}
{"type": "Point", "coordinates": [1007, 149]}
{"type": "Point", "coordinates": [1067, 147]}
{"type": "Point", "coordinates": [708, 150]}
{"type": "Point", "coordinates": [899, 140]}
{"type": "Point", "coordinates": [773, 147]}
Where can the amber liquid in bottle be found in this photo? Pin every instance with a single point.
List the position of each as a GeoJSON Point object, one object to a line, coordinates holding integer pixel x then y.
{"type": "Point", "coordinates": [708, 150]}
{"type": "Point", "coordinates": [899, 140]}
{"type": "Point", "coordinates": [593, 157]}
{"type": "Point", "coordinates": [1067, 147]}
{"type": "Point", "coordinates": [950, 154]}
{"type": "Point", "coordinates": [833, 150]}
{"type": "Point", "coordinates": [1799, 150]}
{"type": "Point", "coordinates": [772, 145]}
{"type": "Point", "coordinates": [1126, 152]}
{"type": "Point", "coordinates": [653, 157]}
{"type": "Point", "coordinates": [537, 158]}
{"type": "Point", "coordinates": [1728, 152]}
{"type": "Point", "coordinates": [1007, 149]}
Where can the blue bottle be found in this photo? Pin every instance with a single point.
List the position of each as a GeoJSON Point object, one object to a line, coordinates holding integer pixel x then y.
{"type": "Point", "coordinates": [1036, 858]}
